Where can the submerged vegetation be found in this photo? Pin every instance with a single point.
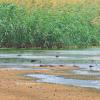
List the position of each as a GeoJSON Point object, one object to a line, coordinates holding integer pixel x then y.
{"type": "Point", "coordinates": [52, 24]}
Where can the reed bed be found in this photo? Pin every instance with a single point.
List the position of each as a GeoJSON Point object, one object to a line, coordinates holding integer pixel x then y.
{"type": "Point", "coordinates": [49, 23]}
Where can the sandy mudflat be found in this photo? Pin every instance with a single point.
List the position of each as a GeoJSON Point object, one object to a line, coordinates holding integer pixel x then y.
{"type": "Point", "coordinates": [16, 87]}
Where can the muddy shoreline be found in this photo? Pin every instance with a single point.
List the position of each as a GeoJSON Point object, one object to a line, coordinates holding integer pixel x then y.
{"type": "Point", "coordinates": [14, 86]}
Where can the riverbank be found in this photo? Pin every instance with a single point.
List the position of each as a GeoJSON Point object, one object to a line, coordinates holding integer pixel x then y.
{"type": "Point", "coordinates": [14, 86]}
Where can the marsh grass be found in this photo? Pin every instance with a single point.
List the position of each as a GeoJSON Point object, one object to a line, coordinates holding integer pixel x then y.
{"type": "Point", "coordinates": [49, 24]}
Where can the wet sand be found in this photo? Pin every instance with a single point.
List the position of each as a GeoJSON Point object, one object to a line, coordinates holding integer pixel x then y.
{"type": "Point", "coordinates": [14, 86]}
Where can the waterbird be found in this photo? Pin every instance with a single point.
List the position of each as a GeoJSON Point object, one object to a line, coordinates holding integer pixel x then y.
{"type": "Point", "coordinates": [57, 56]}
{"type": "Point", "coordinates": [41, 65]}
{"type": "Point", "coordinates": [61, 65]}
{"type": "Point", "coordinates": [18, 55]}
{"type": "Point", "coordinates": [90, 66]}
{"type": "Point", "coordinates": [93, 62]}
{"type": "Point", "coordinates": [33, 60]}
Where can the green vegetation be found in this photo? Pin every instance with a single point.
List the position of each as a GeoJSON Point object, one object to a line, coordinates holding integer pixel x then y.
{"type": "Point", "coordinates": [70, 26]}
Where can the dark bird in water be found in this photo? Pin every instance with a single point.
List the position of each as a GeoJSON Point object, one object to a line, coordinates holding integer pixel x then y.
{"type": "Point", "coordinates": [57, 55]}
{"type": "Point", "coordinates": [91, 66]}
{"type": "Point", "coordinates": [33, 60]}
{"type": "Point", "coordinates": [18, 55]}
{"type": "Point", "coordinates": [41, 65]}
{"type": "Point", "coordinates": [61, 65]}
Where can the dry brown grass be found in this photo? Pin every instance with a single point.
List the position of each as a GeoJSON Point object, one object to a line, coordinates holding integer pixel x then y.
{"type": "Point", "coordinates": [31, 3]}
{"type": "Point", "coordinates": [48, 3]}
{"type": "Point", "coordinates": [96, 20]}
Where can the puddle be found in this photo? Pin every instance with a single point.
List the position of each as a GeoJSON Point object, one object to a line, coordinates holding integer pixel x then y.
{"type": "Point", "coordinates": [65, 81]}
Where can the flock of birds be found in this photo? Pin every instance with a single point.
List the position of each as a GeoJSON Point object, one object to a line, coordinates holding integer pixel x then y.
{"type": "Point", "coordinates": [57, 56]}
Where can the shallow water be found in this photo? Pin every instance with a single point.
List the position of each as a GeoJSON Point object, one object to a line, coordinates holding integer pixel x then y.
{"type": "Point", "coordinates": [86, 72]}
{"type": "Point", "coordinates": [82, 58]}
{"type": "Point", "coordinates": [65, 81]}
